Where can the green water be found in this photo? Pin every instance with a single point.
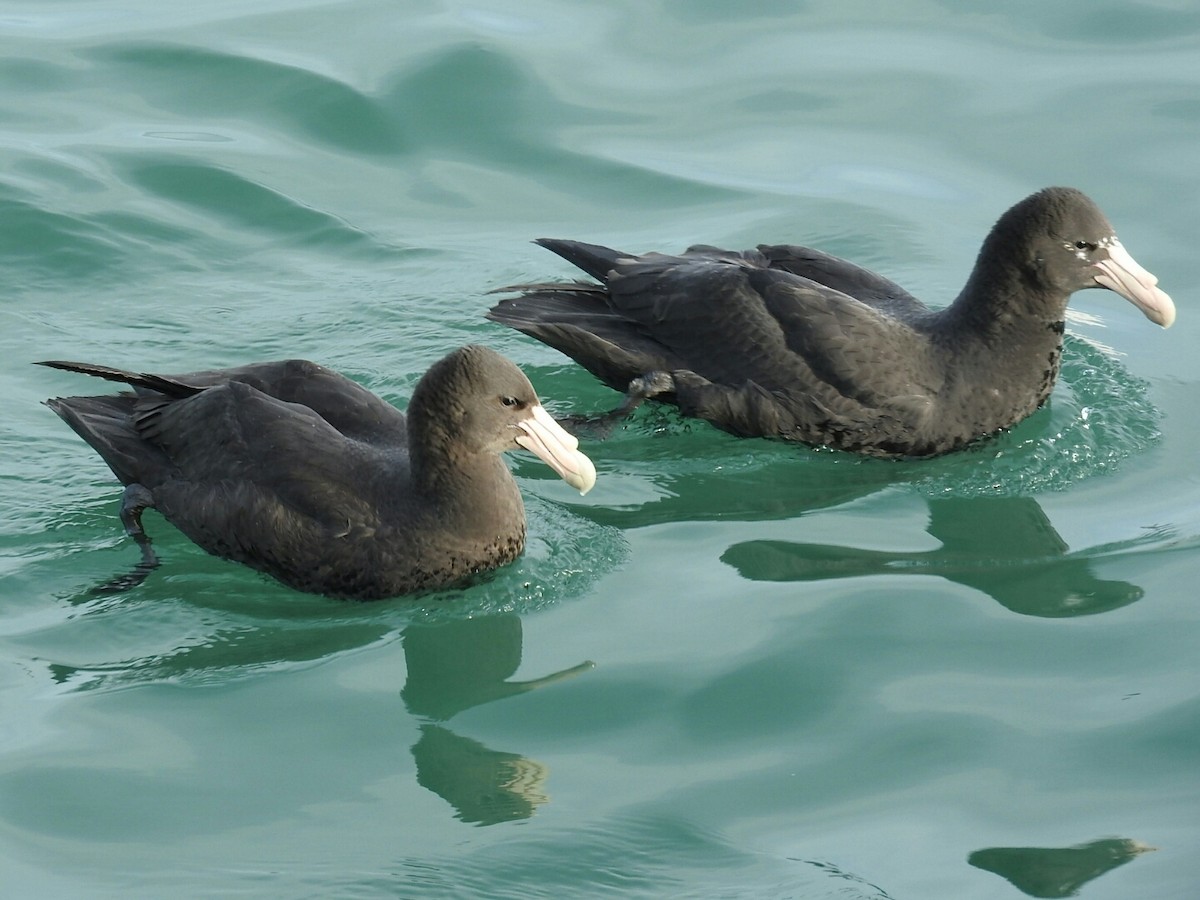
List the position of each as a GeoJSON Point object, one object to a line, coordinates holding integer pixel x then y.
{"type": "Point", "coordinates": [735, 668]}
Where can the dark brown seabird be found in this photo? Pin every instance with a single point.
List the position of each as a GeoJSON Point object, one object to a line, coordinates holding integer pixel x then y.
{"type": "Point", "coordinates": [302, 474]}
{"type": "Point", "coordinates": [792, 343]}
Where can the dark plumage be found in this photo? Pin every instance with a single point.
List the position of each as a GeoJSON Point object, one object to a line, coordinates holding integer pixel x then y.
{"type": "Point", "coordinates": [789, 342]}
{"type": "Point", "coordinates": [299, 472]}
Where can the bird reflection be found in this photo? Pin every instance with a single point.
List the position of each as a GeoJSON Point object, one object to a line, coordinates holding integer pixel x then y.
{"type": "Point", "coordinates": [1005, 547]}
{"type": "Point", "coordinates": [452, 667]}
{"type": "Point", "coordinates": [484, 786]}
{"type": "Point", "coordinates": [1056, 871]}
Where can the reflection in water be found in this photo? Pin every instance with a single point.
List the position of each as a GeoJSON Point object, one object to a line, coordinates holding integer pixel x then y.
{"type": "Point", "coordinates": [453, 667]}
{"type": "Point", "coordinates": [456, 665]}
{"type": "Point", "coordinates": [1056, 871]}
{"type": "Point", "coordinates": [1002, 546]}
{"type": "Point", "coordinates": [484, 786]}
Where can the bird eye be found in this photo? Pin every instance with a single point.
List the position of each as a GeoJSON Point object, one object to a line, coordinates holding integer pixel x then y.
{"type": "Point", "coordinates": [511, 402]}
{"type": "Point", "coordinates": [1084, 245]}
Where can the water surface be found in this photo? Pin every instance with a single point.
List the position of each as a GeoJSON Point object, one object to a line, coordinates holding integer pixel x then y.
{"type": "Point", "coordinates": [735, 668]}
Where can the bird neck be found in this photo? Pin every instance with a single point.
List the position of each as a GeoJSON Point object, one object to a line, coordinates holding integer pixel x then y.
{"type": "Point", "coordinates": [472, 488]}
{"type": "Point", "coordinates": [1005, 304]}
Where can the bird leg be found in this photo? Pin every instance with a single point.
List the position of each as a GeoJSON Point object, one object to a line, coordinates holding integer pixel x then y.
{"type": "Point", "coordinates": [136, 499]}
{"type": "Point", "coordinates": [641, 389]}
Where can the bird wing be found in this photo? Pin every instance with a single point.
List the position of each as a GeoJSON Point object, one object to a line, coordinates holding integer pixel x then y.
{"type": "Point", "coordinates": [733, 322]}
{"type": "Point", "coordinates": [241, 455]}
{"type": "Point", "coordinates": [346, 405]}
{"type": "Point", "coordinates": [844, 276]}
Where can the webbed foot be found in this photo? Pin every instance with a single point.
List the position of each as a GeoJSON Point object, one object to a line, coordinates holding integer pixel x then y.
{"type": "Point", "coordinates": [641, 389]}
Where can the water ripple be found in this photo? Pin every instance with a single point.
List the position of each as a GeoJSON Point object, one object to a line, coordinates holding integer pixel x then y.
{"type": "Point", "coordinates": [246, 205]}
{"type": "Point", "coordinates": [200, 82]}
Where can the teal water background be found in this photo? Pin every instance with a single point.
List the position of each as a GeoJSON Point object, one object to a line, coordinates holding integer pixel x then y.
{"type": "Point", "coordinates": [736, 668]}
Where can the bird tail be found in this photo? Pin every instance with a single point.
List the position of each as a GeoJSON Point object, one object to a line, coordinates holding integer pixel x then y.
{"type": "Point", "coordinates": [159, 383]}
{"type": "Point", "coordinates": [594, 259]}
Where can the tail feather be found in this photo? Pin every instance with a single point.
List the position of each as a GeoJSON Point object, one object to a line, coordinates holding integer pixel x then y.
{"type": "Point", "coordinates": [578, 318]}
{"type": "Point", "coordinates": [594, 259]}
{"type": "Point", "coordinates": [107, 424]}
{"type": "Point", "coordinates": [158, 383]}
{"type": "Point", "coordinates": [580, 324]}
{"type": "Point", "coordinates": [574, 287]}
{"type": "Point", "coordinates": [552, 303]}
